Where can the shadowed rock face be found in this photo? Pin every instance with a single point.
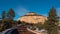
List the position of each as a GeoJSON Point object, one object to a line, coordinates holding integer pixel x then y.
{"type": "Point", "coordinates": [33, 18]}
{"type": "Point", "coordinates": [23, 30]}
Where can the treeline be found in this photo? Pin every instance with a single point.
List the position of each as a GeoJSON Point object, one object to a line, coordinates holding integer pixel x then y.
{"type": "Point", "coordinates": [7, 20]}
{"type": "Point", "coordinates": [51, 24]}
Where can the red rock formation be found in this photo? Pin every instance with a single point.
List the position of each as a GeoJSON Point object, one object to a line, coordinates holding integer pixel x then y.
{"type": "Point", "coordinates": [23, 30]}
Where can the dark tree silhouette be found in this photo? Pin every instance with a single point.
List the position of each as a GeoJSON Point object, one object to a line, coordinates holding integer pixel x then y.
{"type": "Point", "coordinates": [11, 14]}
{"type": "Point", "coordinates": [3, 17]}
{"type": "Point", "coordinates": [52, 22]}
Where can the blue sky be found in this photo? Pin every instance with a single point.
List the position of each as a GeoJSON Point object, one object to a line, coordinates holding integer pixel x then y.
{"type": "Point", "coordinates": [21, 7]}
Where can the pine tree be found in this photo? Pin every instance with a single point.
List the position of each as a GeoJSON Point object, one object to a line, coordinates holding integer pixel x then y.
{"type": "Point", "coordinates": [39, 26]}
{"type": "Point", "coordinates": [3, 16]}
{"type": "Point", "coordinates": [52, 22]}
{"type": "Point", "coordinates": [11, 14]}
{"type": "Point", "coordinates": [3, 19]}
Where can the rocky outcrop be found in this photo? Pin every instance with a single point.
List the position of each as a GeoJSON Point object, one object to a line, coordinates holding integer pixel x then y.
{"type": "Point", "coordinates": [33, 18]}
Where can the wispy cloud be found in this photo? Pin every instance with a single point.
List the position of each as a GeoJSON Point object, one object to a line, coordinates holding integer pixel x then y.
{"type": "Point", "coordinates": [20, 11]}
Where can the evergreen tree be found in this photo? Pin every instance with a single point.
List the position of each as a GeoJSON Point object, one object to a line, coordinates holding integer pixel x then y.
{"type": "Point", "coordinates": [11, 14]}
{"type": "Point", "coordinates": [3, 16]}
{"type": "Point", "coordinates": [52, 22]}
{"type": "Point", "coordinates": [39, 26]}
{"type": "Point", "coordinates": [3, 19]}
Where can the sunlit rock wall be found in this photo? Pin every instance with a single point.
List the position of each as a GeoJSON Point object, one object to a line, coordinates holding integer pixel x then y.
{"type": "Point", "coordinates": [33, 18]}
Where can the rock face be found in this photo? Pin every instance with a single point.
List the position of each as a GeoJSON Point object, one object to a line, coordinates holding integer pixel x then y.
{"type": "Point", "coordinates": [23, 30]}
{"type": "Point", "coordinates": [33, 18]}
